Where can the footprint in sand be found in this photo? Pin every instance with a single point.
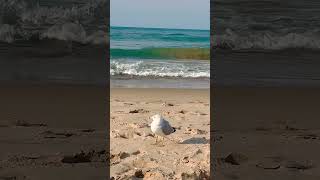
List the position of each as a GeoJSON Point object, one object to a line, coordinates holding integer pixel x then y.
{"type": "Point", "coordinates": [194, 131]}
{"type": "Point", "coordinates": [144, 162]}
{"type": "Point", "coordinates": [116, 158]}
{"type": "Point", "coordinates": [120, 169]}
{"type": "Point", "coordinates": [117, 134]}
{"type": "Point", "coordinates": [268, 164]}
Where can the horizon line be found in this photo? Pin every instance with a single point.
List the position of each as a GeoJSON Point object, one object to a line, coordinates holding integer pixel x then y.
{"type": "Point", "coordinates": [159, 28]}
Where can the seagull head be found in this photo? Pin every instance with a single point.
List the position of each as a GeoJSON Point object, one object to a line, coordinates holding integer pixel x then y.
{"type": "Point", "coordinates": [156, 117]}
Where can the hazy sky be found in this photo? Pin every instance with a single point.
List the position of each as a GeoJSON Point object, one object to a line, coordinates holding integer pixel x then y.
{"type": "Point", "coordinates": [188, 14]}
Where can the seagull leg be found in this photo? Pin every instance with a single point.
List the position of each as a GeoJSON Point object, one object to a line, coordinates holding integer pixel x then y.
{"type": "Point", "coordinates": [159, 141]}
{"type": "Point", "coordinates": [156, 140]}
{"type": "Point", "coordinates": [162, 141]}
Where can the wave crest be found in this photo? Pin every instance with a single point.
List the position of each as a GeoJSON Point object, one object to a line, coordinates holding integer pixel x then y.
{"type": "Point", "coordinates": [266, 40]}
{"type": "Point", "coordinates": [159, 69]}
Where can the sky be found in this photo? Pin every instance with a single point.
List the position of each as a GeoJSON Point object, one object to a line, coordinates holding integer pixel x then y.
{"type": "Point", "coordinates": [180, 14]}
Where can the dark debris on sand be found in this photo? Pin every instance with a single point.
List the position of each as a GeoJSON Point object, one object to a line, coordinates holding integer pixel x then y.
{"type": "Point", "coordinates": [138, 111]}
{"type": "Point", "coordinates": [85, 157]}
{"type": "Point", "coordinates": [88, 130]}
{"type": "Point", "coordinates": [54, 160]}
{"type": "Point", "coordinates": [236, 158]}
{"type": "Point", "coordinates": [299, 165]}
{"type": "Point", "coordinates": [27, 124]}
{"type": "Point", "coordinates": [51, 134]}
{"type": "Point", "coordinates": [139, 174]}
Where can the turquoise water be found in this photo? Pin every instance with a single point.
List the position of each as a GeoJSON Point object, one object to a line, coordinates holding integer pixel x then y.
{"type": "Point", "coordinates": [140, 38]}
{"type": "Point", "coordinates": [154, 53]}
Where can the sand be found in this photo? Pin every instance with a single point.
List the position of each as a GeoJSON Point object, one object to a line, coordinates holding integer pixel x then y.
{"type": "Point", "coordinates": [52, 132]}
{"type": "Point", "coordinates": [185, 155]}
{"type": "Point", "coordinates": [56, 132]}
{"type": "Point", "coordinates": [266, 133]}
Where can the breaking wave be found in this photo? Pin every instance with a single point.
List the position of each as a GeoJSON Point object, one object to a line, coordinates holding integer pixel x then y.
{"type": "Point", "coordinates": [149, 68]}
{"type": "Point", "coordinates": [266, 40]}
{"type": "Point", "coordinates": [81, 21]}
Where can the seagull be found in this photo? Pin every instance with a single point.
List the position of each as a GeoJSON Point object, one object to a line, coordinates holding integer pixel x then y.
{"type": "Point", "coordinates": [161, 127]}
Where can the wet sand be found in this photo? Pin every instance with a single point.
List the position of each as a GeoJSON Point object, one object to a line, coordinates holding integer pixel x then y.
{"type": "Point", "coordinates": [185, 155]}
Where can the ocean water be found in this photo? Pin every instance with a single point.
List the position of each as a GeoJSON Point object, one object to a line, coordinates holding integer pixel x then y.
{"type": "Point", "coordinates": [155, 57]}
{"type": "Point", "coordinates": [66, 20]}
{"type": "Point", "coordinates": [54, 41]}
{"type": "Point", "coordinates": [265, 42]}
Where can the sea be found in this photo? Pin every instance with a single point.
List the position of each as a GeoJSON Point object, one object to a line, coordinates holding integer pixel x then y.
{"type": "Point", "coordinates": [251, 43]}
{"type": "Point", "coordinates": [159, 57]}
{"type": "Point", "coordinates": [54, 41]}
{"type": "Point", "coordinates": [265, 43]}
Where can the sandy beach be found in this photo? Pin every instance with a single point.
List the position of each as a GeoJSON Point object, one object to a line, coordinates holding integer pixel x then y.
{"type": "Point", "coordinates": [52, 132]}
{"type": "Point", "coordinates": [265, 133]}
{"type": "Point", "coordinates": [185, 155]}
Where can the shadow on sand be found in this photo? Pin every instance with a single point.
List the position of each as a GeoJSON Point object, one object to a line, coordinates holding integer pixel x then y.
{"type": "Point", "coordinates": [195, 141]}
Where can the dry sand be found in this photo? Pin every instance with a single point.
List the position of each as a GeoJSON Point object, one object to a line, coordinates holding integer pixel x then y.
{"type": "Point", "coordinates": [52, 132]}
{"type": "Point", "coordinates": [186, 155]}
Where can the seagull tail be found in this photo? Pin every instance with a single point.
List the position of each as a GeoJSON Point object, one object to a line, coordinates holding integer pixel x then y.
{"type": "Point", "coordinates": [174, 129]}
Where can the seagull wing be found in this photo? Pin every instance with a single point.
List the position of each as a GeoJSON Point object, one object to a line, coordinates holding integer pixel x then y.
{"type": "Point", "coordinates": [166, 128]}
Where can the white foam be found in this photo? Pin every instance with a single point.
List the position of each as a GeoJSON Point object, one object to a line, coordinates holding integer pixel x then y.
{"type": "Point", "coordinates": [267, 40]}
{"type": "Point", "coordinates": [160, 68]}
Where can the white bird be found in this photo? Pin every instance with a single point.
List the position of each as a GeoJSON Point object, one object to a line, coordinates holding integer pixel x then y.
{"type": "Point", "coordinates": [161, 127]}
